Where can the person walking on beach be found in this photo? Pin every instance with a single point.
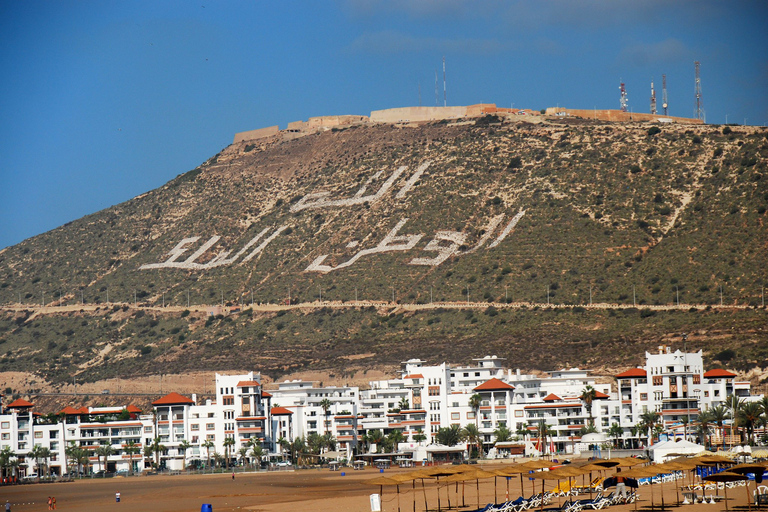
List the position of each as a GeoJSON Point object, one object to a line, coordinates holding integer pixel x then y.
{"type": "Point", "coordinates": [7, 506]}
{"type": "Point", "coordinates": [53, 502]}
{"type": "Point", "coordinates": [233, 474]}
{"type": "Point", "coordinates": [50, 503]}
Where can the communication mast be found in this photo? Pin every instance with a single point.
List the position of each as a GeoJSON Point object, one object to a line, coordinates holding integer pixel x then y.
{"type": "Point", "coordinates": [623, 101]}
{"type": "Point", "coordinates": [445, 91]}
{"type": "Point", "coordinates": [653, 99]}
{"type": "Point", "coordinates": [664, 93]}
{"type": "Point", "coordinates": [698, 112]}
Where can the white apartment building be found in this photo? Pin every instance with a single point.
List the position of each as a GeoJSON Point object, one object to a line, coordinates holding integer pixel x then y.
{"type": "Point", "coordinates": [420, 401]}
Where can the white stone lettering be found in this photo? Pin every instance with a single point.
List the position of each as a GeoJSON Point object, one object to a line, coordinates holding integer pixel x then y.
{"type": "Point", "coordinates": [444, 252]}
{"type": "Point", "coordinates": [508, 228]}
{"type": "Point", "coordinates": [391, 242]}
{"type": "Point", "coordinates": [412, 180]}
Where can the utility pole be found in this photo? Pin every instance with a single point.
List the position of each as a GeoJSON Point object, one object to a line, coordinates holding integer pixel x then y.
{"type": "Point", "coordinates": [698, 112]}
{"type": "Point", "coordinates": [623, 100]}
{"type": "Point", "coordinates": [653, 99]}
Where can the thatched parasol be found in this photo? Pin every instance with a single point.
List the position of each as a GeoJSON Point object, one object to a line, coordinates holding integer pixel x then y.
{"type": "Point", "coordinates": [725, 476]}
{"type": "Point", "coordinates": [474, 474]}
{"type": "Point", "coordinates": [744, 469]}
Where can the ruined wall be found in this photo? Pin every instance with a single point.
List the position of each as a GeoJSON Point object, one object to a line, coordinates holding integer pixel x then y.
{"type": "Point", "coordinates": [619, 116]}
{"type": "Point", "coordinates": [325, 122]}
{"type": "Point", "coordinates": [261, 133]}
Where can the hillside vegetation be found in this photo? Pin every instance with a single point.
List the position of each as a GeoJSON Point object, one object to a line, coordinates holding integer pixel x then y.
{"type": "Point", "coordinates": [494, 212]}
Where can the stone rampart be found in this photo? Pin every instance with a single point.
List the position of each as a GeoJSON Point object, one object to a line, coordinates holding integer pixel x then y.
{"type": "Point", "coordinates": [619, 116]}
{"type": "Point", "coordinates": [261, 133]}
{"type": "Point", "coordinates": [417, 114]}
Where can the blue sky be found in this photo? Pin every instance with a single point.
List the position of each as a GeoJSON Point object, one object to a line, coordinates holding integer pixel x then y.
{"type": "Point", "coordinates": [101, 101]}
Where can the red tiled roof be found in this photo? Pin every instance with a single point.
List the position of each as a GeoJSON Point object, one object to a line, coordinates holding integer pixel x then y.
{"type": "Point", "coordinates": [714, 373]}
{"type": "Point", "coordinates": [132, 408]}
{"type": "Point", "coordinates": [493, 385]}
{"type": "Point", "coordinates": [173, 399]}
{"type": "Point", "coordinates": [600, 394]}
{"type": "Point", "coordinates": [71, 410]}
{"type": "Point", "coordinates": [244, 383]}
{"type": "Point", "coordinates": [19, 403]}
{"type": "Point", "coordinates": [414, 376]}
{"type": "Point", "coordinates": [264, 394]}
{"type": "Point", "coordinates": [551, 397]}
{"type": "Point", "coordinates": [634, 372]}
{"type": "Point", "coordinates": [280, 411]}
{"type": "Point", "coordinates": [84, 410]}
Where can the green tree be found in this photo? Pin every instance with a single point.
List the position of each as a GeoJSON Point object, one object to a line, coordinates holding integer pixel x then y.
{"type": "Point", "coordinates": [208, 444]}
{"type": "Point", "coordinates": [105, 451]}
{"type": "Point", "coordinates": [184, 445]}
{"type": "Point", "coordinates": [37, 453]}
{"type": "Point", "coordinates": [419, 436]}
{"type": "Point", "coordinates": [734, 403]}
{"type": "Point", "coordinates": [326, 405]}
{"type": "Point", "coordinates": [243, 452]}
{"type": "Point", "coordinates": [588, 395]}
{"type": "Point", "coordinates": [749, 417]}
{"type": "Point", "coordinates": [376, 437]}
{"type": "Point", "coordinates": [148, 455]}
{"type": "Point", "coordinates": [719, 415]}
{"type": "Point", "coordinates": [471, 434]}
{"type": "Point", "coordinates": [157, 449]}
{"type": "Point", "coordinates": [228, 443]}
{"type": "Point", "coordinates": [131, 448]}
{"type": "Point", "coordinates": [648, 422]}
{"type": "Point", "coordinates": [257, 452]}
{"type": "Point", "coordinates": [616, 432]}
{"type": "Point", "coordinates": [404, 405]}
{"type": "Point", "coordinates": [449, 436]}
{"type": "Point", "coordinates": [298, 447]}
{"type": "Point", "coordinates": [475, 401]}
{"type": "Point", "coordinates": [6, 456]}
{"type": "Point", "coordinates": [704, 420]}
{"type": "Point", "coordinates": [502, 434]}
{"type": "Point", "coordinates": [394, 438]}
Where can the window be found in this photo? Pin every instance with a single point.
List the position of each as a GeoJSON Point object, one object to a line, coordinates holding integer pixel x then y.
{"type": "Point", "coordinates": [455, 416]}
{"type": "Point", "coordinates": [210, 426]}
{"type": "Point", "coordinates": [245, 389]}
{"type": "Point", "coordinates": [54, 434]}
{"type": "Point", "coordinates": [194, 427]}
{"type": "Point", "coordinates": [658, 380]}
{"type": "Point", "coordinates": [706, 393]}
{"type": "Point", "coordinates": [210, 437]}
{"type": "Point", "coordinates": [228, 400]}
{"type": "Point", "coordinates": [697, 379]}
{"type": "Point", "coordinates": [6, 436]}
{"type": "Point", "coordinates": [643, 396]}
{"type": "Point", "coordinates": [518, 414]}
{"type": "Point", "coordinates": [38, 435]}
{"type": "Point", "coordinates": [147, 429]}
{"type": "Point", "coordinates": [471, 415]}
{"type": "Point", "coordinates": [6, 424]}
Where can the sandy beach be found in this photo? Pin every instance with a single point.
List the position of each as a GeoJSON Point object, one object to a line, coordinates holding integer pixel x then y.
{"type": "Point", "coordinates": [305, 490]}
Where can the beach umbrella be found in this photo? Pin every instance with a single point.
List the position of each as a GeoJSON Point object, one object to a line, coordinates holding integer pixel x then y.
{"type": "Point", "coordinates": [725, 476]}
{"type": "Point", "coordinates": [381, 481]}
{"type": "Point", "coordinates": [554, 474]}
{"type": "Point", "coordinates": [475, 474]}
{"type": "Point", "coordinates": [760, 454]}
{"type": "Point", "coordinates": [756, 469]}
{"type": "Point", "coordinates": [535, 465]}
{"type": "Point", "coordinates": [642, 472]}
{"type": "Point", "coordinates": [510, 471]}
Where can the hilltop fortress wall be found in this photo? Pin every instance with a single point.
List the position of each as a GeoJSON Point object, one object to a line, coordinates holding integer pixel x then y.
{"type": "Point", "coordinates": [407, 115]}
{"type": "Point", "coordinates": [619, 116]}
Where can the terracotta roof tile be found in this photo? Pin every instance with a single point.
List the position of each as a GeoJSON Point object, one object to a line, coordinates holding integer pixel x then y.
{"type": "Point", "coordinates": [280, 411]}
{"type": "Point", "coordinates": [19, 403]}
{"type": "Point", "coordinates": [494, 385]}
{"type": "Point", "coordinates": [714, 373]}
{"type": "Point", "coordinates": [173, 399]}
{"type": "Point", "coordinates": [634, 372]}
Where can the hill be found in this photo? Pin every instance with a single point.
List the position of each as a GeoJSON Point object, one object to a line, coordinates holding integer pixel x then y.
{"type": "Point", "coordinates": [363, 246]}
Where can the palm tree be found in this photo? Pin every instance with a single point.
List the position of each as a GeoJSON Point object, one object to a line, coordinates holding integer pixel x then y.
{"type": "Point", "coordinates": [257, 452]}
{"type": "Point", "coordinates": [705, 418]}
{"type": "Point", "coordinates": [419, 436]}
{"type": "Point", "coordinates": [719, 415]}
{"type": "Point", "coordinates": [502, 434]}
{"type": "Point", "coordinates": [588, 395]}
{"type": "Point", "coordinates": [376, 437]}
{"type": "Point", "coordinates": [105, 451]}
{"type": "Point", "coordinates": [208, 444]}
{"type": "Point", "coordinates": [183, 447]}
{"type": "Point", "coordinates": [298, 446]}
{"type": "Point", "coordinates": [6, 454]}
{"type": "Point", "coordinates": [648, 422]}
{"type": "Point", "coordinates": [46, 455]}
{"type": "Point", "coordinates": [616, 431]}
{"type": "Point", "coordinates": [243, 451]}
{"type": "Point", "coordinates": [449, 436]}
{"type": "Point", "coordinates": [131, 448]}
{"type": "Point", "coordinates": [394, 438]}
{"type": "Point", "coordinates": [148, 454]}
{"type": "Point", "coordinates": [472, 435]}
{"type": "Point", "coordinates": [764, 408]}
{"type": "Point", "coordinates": [37, 453]}
{"type": "Point", "coordinates": [217, 459]}
{"type": "Point", "coordinates": [749, 417]}
{"type": "Point", "coordinates": [157, 449]}
{"type": "Point", "coordinates": [475, 401]}
{"type": "Point", "coordinates": [404, 405]}
{"type": "Point", "coordinates": [326, 405]}
{"type": "Point", "coordinates": [315, 442]}
{"type": "Point", "coordinates": [285, 445]}
{"type": "Point", "coordinates": [734, 403]}
{"type": "Point", "coordinates": [685, 421]}
{"type": "Point", "coordinates": [228, 443]}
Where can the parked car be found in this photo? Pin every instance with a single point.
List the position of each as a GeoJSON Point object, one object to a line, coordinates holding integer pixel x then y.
{"type": "Point", "coordinates": [30, 477]}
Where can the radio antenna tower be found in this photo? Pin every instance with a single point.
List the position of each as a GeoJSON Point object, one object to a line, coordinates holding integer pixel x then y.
{"type": "Point", "coordinates": [445, 91]}
{"type": "Point", "coordinates": [623, 101]}
{"type": "Point", "coordinates": [698, 112]}
{"type": "Point", "coordinates": [664, 104]}
{"type": "Point", "coordinates": [653, 99]}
